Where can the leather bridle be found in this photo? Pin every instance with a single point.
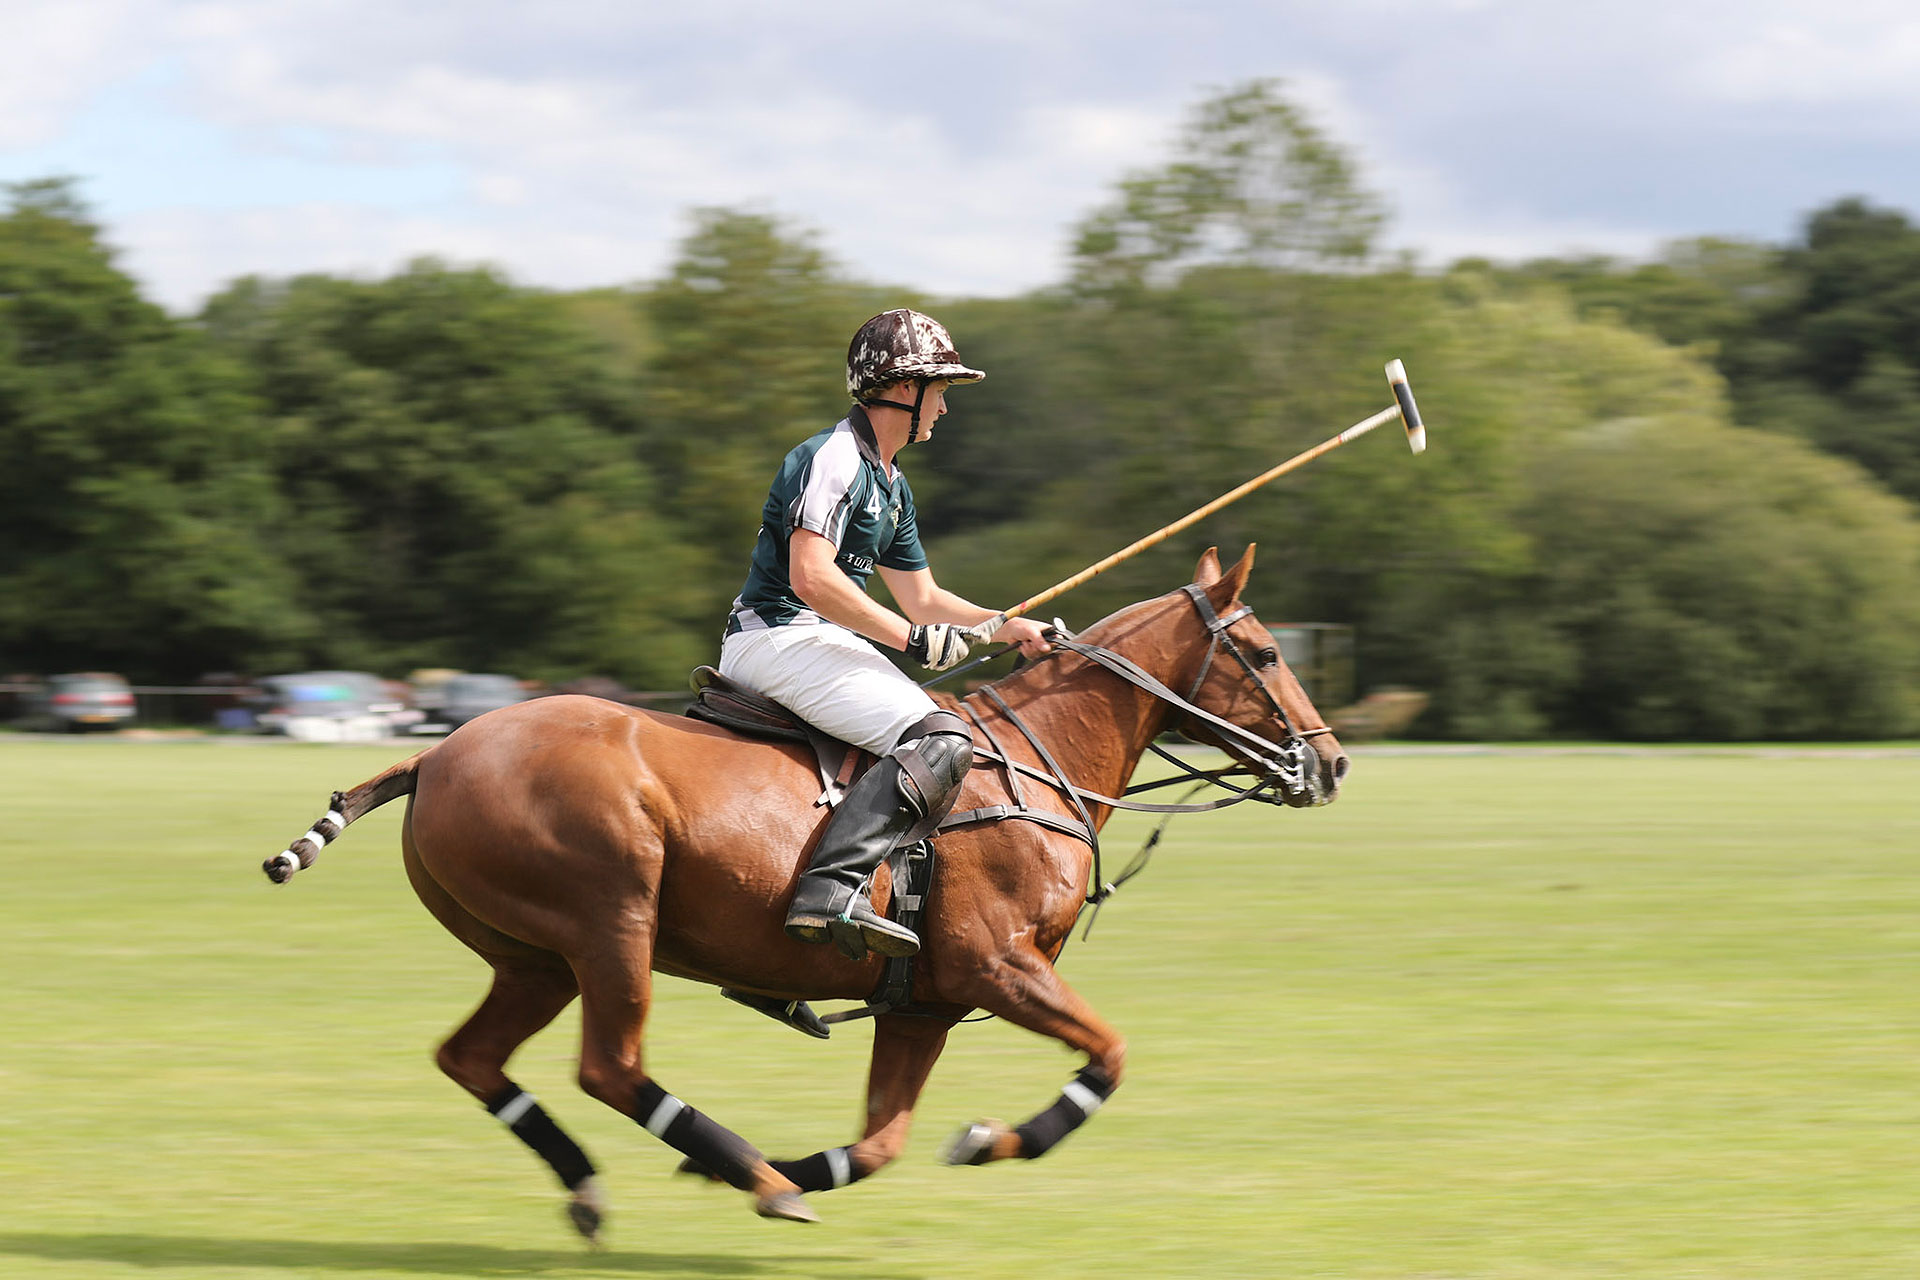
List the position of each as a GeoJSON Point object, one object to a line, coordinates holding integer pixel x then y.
{"type": "Point", "coordinates": [1292, 760]}
{"type": "Point", "coordinates": [1284, 771]}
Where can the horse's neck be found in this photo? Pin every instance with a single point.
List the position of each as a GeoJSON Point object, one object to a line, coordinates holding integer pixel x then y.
{"type": "Point", "coordinates": [1096, 725]}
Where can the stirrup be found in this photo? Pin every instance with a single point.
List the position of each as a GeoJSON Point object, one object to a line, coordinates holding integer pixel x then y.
{"type": "Point", "coordinates": [854, 936]}
{"type": "Point", "coordinates": [788, 1013]}
{"type": "Point", "coordinates": [872, 931]}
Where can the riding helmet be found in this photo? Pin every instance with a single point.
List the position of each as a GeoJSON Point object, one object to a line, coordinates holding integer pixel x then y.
{"type": "Point", "coordinates": [902, 345]}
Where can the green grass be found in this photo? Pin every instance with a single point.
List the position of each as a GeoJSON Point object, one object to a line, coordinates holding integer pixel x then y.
{"type": "Point", "coordinates": [1526, 1015]}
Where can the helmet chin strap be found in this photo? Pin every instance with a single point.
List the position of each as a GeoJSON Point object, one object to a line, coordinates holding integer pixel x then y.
{"type": "Point", "coordinates": [920, 398]}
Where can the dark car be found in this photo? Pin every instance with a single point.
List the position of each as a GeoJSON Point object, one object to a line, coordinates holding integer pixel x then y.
{"type": "Point", "coordinates": [471, 694]}
{"type": "Point", "coordinates": [80, 701]}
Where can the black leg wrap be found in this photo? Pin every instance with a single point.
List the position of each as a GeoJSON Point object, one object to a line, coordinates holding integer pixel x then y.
{"type": "Point", "coordinates": [821, 1171]}
{"type": "Point", "coordinates": [533, 1126]}
{"type": "Point", "coordinates": [1080, 1099]}
{"type": "Point", "coordinates": [706, 1142]}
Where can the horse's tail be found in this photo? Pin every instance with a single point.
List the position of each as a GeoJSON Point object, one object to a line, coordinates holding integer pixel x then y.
{"type": "Point", "coordinates": [343, 808]}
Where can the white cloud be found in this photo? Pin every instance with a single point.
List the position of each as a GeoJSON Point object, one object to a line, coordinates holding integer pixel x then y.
{"type": "Point", "coordinates": [564, 168]}
{"type": "Point", "coordinates": [55, 57]}
{"type": "Point", "coordinates": [951, 153]}
{"type": "Point", "coordinates": [1517, 238]}
{"type": "Point", "coordinates": [1830, 63]}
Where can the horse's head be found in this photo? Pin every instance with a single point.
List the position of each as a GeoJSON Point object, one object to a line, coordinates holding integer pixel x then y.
{"type": "Point", "coordinates": [1239, 675]}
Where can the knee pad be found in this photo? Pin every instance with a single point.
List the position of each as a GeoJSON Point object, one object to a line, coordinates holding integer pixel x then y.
{"type": "Point", "coordinates": [934, 756]}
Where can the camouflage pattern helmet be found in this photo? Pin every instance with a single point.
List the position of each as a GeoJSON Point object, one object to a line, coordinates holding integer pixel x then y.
{"type": "Point", "coordinates": [901, 346]}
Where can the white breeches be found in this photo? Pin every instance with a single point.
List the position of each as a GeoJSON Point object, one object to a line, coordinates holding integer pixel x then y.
{"type": "Point", "coordinates": [831, 678]}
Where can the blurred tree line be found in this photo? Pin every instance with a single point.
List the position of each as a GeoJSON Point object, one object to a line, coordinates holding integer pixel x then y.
{"type": "Point", "coordinates": [1663, 500]}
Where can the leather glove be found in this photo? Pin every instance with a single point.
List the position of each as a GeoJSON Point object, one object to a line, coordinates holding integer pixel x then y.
{"type": "Point", "coordinates": [937, 645]}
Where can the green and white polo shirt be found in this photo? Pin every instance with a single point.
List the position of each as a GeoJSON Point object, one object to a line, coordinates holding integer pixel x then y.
{"type": "Point", "coordinates": [835, 485]}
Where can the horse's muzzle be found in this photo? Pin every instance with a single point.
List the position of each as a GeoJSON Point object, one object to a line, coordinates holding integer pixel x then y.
{"type": "Point", "coordinates": [1307, 780]}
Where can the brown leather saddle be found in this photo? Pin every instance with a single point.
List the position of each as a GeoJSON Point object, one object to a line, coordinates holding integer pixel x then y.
{"type": "Point", "coordinates": [720, 701]}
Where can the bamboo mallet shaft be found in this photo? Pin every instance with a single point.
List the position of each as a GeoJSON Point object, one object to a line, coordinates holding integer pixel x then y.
{"type": "Point", "coordinates": [1403, 408]}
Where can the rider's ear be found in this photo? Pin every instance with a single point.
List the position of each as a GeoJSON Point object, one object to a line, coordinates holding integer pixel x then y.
{"type": "Point", "coordinates": [1234, 580]}
{"type": "Point", "coordinates": [1207, 572]}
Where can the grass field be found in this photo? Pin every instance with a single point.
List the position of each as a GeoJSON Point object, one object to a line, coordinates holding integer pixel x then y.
{"type": "Point", "coordinates": [1523, 1015]}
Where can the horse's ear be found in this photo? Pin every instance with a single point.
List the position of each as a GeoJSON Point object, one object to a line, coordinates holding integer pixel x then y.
{"type": "Point", "coordinates": [1234, 580]}
{"type": "Point", "coordinates": [1207, 572]}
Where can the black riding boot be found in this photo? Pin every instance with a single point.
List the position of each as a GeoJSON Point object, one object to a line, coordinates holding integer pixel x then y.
{"type": "Point", "coordinates": [919, 779]}
{"type": "Point", "coordinates": [865, 827]}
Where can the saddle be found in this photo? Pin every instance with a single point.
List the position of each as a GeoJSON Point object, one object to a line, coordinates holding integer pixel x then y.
{"type": "Point", "coordinates": [720, 701]}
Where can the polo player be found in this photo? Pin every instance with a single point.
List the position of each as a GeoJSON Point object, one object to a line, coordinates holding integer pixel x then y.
{"type": "Point", "coordinates": [803, 630]}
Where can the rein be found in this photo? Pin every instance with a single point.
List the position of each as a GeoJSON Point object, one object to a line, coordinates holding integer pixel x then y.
{"type": "Point", "coordinates": [1277, 768]}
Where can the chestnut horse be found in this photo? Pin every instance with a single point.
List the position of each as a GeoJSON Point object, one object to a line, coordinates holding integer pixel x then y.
{"type": "Point", "coordinates": [578, 846]}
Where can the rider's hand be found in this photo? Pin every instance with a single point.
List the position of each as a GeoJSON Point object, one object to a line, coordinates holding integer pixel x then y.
{"type": "Point", "coordinates": [936, 645]}
{"type": "Point", "coordinates": [1031, 636]}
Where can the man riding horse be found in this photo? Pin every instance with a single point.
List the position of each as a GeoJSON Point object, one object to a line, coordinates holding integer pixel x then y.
{"type": "Point", "coordinates": [579, 846]}
{"type": "Point", "coordinates": [803, 628]}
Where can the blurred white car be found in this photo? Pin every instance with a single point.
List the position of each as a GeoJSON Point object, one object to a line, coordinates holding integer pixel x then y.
{"type": "Point", "coordinates": [331, 706]}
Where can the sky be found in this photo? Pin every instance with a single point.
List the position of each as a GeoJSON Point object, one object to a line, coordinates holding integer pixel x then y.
{"type": "Point", "coordinates": [946, 148]}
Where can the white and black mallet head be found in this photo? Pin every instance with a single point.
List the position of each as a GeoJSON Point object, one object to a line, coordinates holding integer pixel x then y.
{"type": "Point", "coordinates": [1409, 411]}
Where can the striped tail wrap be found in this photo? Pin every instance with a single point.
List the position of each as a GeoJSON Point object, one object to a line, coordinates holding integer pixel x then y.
{"type": "Point", "coordinates": [342, 808]}
{"type": "Point", "coordinates": [300, 854]}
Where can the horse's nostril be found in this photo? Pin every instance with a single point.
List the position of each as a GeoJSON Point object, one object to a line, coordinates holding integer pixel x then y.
{"type": "Point", "coordinates": [1340, 766]}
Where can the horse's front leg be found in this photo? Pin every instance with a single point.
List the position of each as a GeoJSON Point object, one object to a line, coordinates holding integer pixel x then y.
{"type": "Point", "coordinates": [1025, 989]}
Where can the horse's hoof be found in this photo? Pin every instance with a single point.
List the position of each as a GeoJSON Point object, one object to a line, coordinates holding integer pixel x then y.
{"type": "Point", "coordinates": [972, 1145]}
{"type": "Point", "coordinates": [587, 1212]}
{"type": "Point", "coordinates": [788, 1205]}
{"type": "Point", "coordinates": [586, 1220]}
{"type": "Point", "coordinates": [694, 1169]}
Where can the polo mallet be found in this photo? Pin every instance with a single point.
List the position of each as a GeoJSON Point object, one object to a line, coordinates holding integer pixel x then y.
{"type": "Point", "coordinates": [1403, 408]}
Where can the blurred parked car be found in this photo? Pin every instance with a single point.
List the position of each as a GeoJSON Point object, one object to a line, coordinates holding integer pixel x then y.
{"type": "Point", "coordinates": [79, 701]}
{"type": "Point", "coordinates": [331, 706]}
{"type": "Point", "coordinates": [459, 698]}
{"type": "Point", "coordinates": [13, 695]}
{"type": "Point", "coordinates": [427, 688]}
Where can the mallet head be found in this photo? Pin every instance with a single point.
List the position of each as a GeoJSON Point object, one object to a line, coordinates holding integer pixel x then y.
{"type": "Point", "coordinates": [1409, 411]}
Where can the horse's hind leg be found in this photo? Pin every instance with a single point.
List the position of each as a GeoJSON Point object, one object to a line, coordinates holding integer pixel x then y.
{"type": "Point", "coordinates": [526, 996]}
{"type": "Point", "coordinates": [530, 988]}
{"type": "Point", "coordinates": [904, 1051]}
{"type": "Point", "coordinates": [1025, 989]}
{"type": "Point", "coordinates": [615, 985]}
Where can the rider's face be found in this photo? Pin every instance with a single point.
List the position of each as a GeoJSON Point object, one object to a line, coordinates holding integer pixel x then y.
{"type": "Point", "coordinates": [933, 406]}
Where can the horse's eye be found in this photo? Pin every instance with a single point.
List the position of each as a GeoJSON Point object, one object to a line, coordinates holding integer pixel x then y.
{"type": "Point", "coordinates": [1266, 657]}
